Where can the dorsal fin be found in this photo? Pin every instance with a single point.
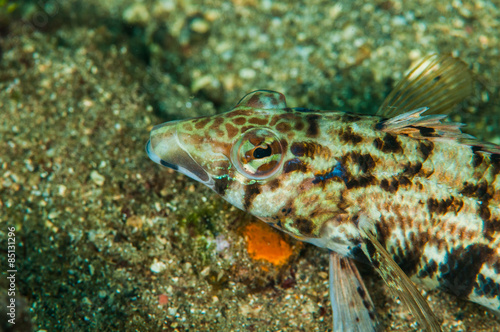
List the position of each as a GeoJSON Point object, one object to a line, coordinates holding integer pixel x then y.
{"type": "Point", "coordinates": [438, 82]}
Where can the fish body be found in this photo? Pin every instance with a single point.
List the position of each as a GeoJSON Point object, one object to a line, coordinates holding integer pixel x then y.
{"type": "Point", "coordinates": [408, 194]}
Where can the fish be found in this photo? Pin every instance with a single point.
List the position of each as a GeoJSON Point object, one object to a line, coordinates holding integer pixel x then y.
{"type": "Point", "coordinates": [403, 190]}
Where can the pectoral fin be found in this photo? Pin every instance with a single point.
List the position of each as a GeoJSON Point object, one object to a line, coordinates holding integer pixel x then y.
{"type": "Point", "coordinates": [353, 309]}
{"type": "Point", "coordinates": [397, 281]}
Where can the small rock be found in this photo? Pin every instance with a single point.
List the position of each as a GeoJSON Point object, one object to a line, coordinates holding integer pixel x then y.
{"type": "Point", "coordinates": [157, 266]}
{"type": "Point", "coordinates": [97, 178]}
{"type": "Point", "coordinates": [136, 14]}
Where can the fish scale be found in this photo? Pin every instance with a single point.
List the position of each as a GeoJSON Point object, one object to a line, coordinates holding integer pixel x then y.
{"type": "Point", "coordinates": [409, 194]}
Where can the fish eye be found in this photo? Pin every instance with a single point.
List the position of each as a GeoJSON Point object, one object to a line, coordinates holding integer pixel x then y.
{"type": "Point", "coordinates": [258, 154]}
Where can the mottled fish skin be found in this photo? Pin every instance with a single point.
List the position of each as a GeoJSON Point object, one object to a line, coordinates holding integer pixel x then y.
{"type": "Point", "coordinates": [434, 199]}
{"type": "Point", "coordinates": [438, 201]}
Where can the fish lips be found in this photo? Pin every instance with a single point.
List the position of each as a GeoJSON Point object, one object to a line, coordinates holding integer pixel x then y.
{"type": "Point", "coordinates": [165, 148]}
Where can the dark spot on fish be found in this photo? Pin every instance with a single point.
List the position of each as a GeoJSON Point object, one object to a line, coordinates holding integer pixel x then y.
{"type": "Point", "coordinates": [245, 128]}
{"type": "Point", "coordinates": [371, 251]}
{"type": "Point", "coordinates": [305, 226]}
{"type": "Point", "coordinates": [231, 130]}
{"type": "Point", "coordinates": [458, 273]}
{"type": "Point", "coordinates": [298, 149]}
{"type": "Point", "coordinates": [293, 165]}
{"type": "Point", "coordinates": [308, 149]}
{"type": "Point", "coordinates": [390, 186]}
{"type": "Point", "coordinates": [360, 182]}
{"type": "Point", "coordinates": [251, 191]}
{"type": "Point", "coordinates": [274, 184]}
{"type": "Point", "coordinates": [283, 127]}
{"type": "Point", "coordinates": [169, 165]}
{"type": "Point", "coordinates": [404, 181]}
{"type": "Point", "coordinates": [216, 123]}
{"type": "Point", "coordinates": [484, 211]}
{"type": "Point", "coordinates": [365, 161]}
{"type": "Point", "coordinates": [495, 161]}
{"type": "Point", "coordinates": [440, 206]}
{"type": "Point", "coordinates": [425, 148]}
{"type": "Point", "coordinates": [428, 270]}
{"type": "Point", "coordinates": [357, 254]}
{"type": "Point", "coordinates": [299, 125]}
{"type": "Point", "coordinates": [390, 144]}
{"type": "Point", "coordinates": [347, 136]}
{"type": "Point", "coordinates": [221, 185]}
{"type": "Point", "coordinates": [477, 158]}
{"type": "Point", "coordinates": [427, 131]}
{"type": "Point", "coordinates": [350, 117]}
{"type": "Point", "coordinates": [258, 121]}
{"type": "Point", "coordinates": [412, 170]}
{"type": "Point", "coordinates": [240, 120]}
{"type": "Point", "coordinates": [201, 123]}
{"type": "Point", "coordinates": [479, 191]}
{"type": "Point", "coordinates": [409, 259]}
{"type": "Point", "coordinates": [490, 227]}
{"type": "Point", "coordinates": [382, 232]}
{"type": "Point", "coordinates": [486, 287]}
{"type": "Point", "coordinates": [312, 120]}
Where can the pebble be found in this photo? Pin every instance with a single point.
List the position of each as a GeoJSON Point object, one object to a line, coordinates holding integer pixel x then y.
{"type": "Point", "coordinates": [136, 14]}
{"type": "Point", "coordinates": [97, 178]}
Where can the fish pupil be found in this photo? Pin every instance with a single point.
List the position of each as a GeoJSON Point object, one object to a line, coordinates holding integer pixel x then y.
{"type": "Point", "coordinates": [259, 152]}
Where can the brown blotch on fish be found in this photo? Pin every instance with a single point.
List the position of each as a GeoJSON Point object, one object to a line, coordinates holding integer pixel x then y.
{"type": "Point", "coordinates": [360, 182]}
{"type": "Point", "coordinates": [410, 260]}
{"type": "Point", "coordinates": [231, 130]}
{"type": "Point", "coordinates": [486, 287]}
{"type": "Point", "coordinates": [480, 191]}
{"type": "Point", "coordinates": [283, 127]}
{"type": "Point", "coordinates": [305, 226]}
{"type": "Point", "coordinates": [187, 126]}
{"type": "Point", "coordinates": [273, 184]}
{"type": "Point", "coordinates": [221, 185]}
{"type": "Point", "coordinates": [425, 148]}
{"type": "Point", "coordinates": [404, 181]}
{"type": "Point", "coordinates": [310, 150]}
{"type": "Point", "coordinates": [258, 121]}
{"type": "Point", "coordinates": [350, 117]}
{"type": "Point", "coordinates": [465, 262]}
{"type": "Point", "coordinates": [240, 121]}
{"type": "Point", "coordinates": [313, 129]}
{"type": "Point", "coordinates": [490, 228]}
{"type": "Point", "coordinates": [390, 186]}
{"type": "Point", "coordinates": [428, 270]}
{"type": "Point", "coordinates": [293, 165]}
{"type": "Point", "coordinates": [216, 126]}
{"type": "Point", "coordinates": [201, 123]}
{"type": "Point", "coordinates": [251, 191]}
{"type": "Point", "coordinates": [364, 161]}
{"type": "Point", "coordinates": [495, 161]}
{"type": "Point", "coordinates": [443, 206]}
{"type": "Point", "coordinates": [299, 125]}
{"type": "Point", "coordinates": [347, 136]}
{"type": "Point", "coordinates": [412, 170]}
{"type": "Point", "coordinates": [389, 144]}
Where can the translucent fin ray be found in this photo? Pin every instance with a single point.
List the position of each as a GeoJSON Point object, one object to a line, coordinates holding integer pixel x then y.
{"type": "Point", "coordinates": [438, 82]}
{"type": "Point", "coordinates": [397, 281]}
{"type": "Point", "coordinates": [352, 306]}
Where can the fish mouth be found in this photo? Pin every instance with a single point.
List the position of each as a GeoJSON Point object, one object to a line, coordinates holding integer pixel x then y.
{"type": "Point", "coordinates": [165, 148]}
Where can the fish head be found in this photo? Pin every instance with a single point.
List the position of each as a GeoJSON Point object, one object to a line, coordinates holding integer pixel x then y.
{"type": "Point", "coordinates": [232, 153]}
